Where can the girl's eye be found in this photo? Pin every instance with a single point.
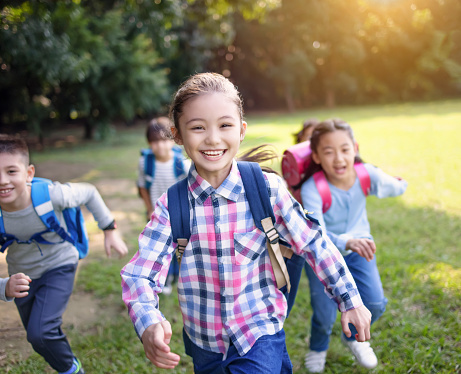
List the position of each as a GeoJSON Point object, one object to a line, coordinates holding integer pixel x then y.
{"type": "Point", "coordinates": [197, 127]}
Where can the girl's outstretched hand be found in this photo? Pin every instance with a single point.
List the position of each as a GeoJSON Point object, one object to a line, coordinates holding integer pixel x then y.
{"type": "Point", "coordinates": [112, 239]}
{"type": "Point", "coordinates": [361, 318]}
{"type": "Point", "coordinates": [364, 247]}
{"type": "Point", "coordinates": [17, 286]}
{"type": "Point", "coordinates": [155, 340]}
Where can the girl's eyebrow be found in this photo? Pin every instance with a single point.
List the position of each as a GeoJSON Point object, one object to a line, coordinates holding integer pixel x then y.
{"type": "Point", "coordinates": [202, 119]}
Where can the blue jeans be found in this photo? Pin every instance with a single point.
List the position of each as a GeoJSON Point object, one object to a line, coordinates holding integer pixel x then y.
{"type": "Point", "coordinates": [368, 282]}
{"type": "Point", "coordinates": [267, 356]}
{"type": "Point", "coordinates": [41, 314]}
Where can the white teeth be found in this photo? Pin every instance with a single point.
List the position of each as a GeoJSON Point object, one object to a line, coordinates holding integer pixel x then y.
{"type": "Point", "coordinates": [5, 191]}
{"type": "Point", "coordinates": [213, 153]}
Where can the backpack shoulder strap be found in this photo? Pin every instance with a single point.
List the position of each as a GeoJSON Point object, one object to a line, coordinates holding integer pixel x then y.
{"type": "Point", "coordinates": [364, 178]}
{"type": "Point", "coordinates": [178, 207]}
{"type": "Point", "coordinates": [5, 238]}
{"type": "Point", "coordinates": [149, 166]}
{"type": "Point", "coordinates": [324, 190]}
{"type": "Point", "coordinates": [263, 215]}
{"type": "Point", "coordinates": [178, 161]}
{"type": "Point", "coordinates": [41, 201]}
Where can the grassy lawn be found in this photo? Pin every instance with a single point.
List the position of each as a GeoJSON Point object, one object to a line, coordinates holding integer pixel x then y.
{"type": "Point", "coordinates": [417, 236]}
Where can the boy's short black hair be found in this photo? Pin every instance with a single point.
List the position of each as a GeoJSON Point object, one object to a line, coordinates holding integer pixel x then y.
{"type": "Point", "coordinates": [14, 144]}
{"type": "Point", "coordinates": [159, 129]}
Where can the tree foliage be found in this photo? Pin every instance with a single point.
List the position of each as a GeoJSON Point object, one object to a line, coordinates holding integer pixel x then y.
{"type": "Point", "coordinates": [97, 61]}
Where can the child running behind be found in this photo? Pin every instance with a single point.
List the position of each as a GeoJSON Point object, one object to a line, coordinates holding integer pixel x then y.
{"type": "Point", "coordinates": [42, 275]}
{"type": "Point", "coordinates": [335, 151]}
{"type": "Point", "coordinates": [233, 313]}
{"type": "Point", "coordinates": [166, 166]}
{"type": "Point", "coordinates": [306, 132]}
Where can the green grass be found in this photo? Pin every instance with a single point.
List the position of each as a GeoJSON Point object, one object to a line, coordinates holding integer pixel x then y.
{"type": "Point", "coordinates": [417, 236]}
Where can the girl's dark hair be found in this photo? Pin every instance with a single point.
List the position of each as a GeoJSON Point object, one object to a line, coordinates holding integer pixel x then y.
{"type": "Point", "coordinates": [325, 127]}
{"type": "Point", "coordinates": [260, 154]}
{"type": "Point", "coordinates": [307, 124]}
{"type": "Point", "coordinates": [14, 145]}
{"type": "Point", "coordinates": [200, 84]}
{"type": "Point", "coordinates": [158, 129]}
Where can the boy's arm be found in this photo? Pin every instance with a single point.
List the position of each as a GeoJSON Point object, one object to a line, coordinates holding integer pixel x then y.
{"type": "Point", "coordinates": [75, 194]}
{"type": "Point", "coordinates": [16, 286]}
{"type": "Point", "coordinates": [112, 239]}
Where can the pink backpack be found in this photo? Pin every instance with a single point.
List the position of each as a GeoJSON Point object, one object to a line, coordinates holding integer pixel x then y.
{"type": "Point", "coordinates": [295, 162]}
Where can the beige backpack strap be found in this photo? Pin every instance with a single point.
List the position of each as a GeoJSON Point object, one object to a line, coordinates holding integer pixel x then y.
{"type": "Point", "coordinates": [278, 264]}
{"type": "Point", "coordinates": [182, 244]}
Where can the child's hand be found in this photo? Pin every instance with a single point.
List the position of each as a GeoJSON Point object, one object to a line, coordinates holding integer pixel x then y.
{"type": "Point", "coordinates": [364, 247]}
{"type": "Point", "coordinates": [361, 318]}
{"type": "Point", "coordinates": [113, 240]}
{"type": "Point", "coordinates": [17, 286]}
{"type": "Point", "coordinates": [155, 340]}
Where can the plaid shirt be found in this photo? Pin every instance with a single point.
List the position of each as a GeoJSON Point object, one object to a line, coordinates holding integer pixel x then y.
{"type": "Point", "coordinates": [227, 291]}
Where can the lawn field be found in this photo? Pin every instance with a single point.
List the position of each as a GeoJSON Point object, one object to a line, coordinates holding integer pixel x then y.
{"type": "Point", "coordinates": [417, 237]}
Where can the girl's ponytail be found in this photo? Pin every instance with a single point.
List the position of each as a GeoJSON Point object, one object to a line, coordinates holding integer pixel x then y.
{"type": "Point", "coordinates": [260, 154]}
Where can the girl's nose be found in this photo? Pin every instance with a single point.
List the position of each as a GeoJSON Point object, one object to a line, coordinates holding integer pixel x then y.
{"type": "Point", "coordinates": [213, 137]}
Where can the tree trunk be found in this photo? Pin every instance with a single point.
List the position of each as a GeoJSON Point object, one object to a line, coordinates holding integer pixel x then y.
{"type": "Point", "coordinates": [88, 130]}
{"type": "Point", "coordinates": [289, 99]}
{"type": "Point", "coordinates": [330, 98]}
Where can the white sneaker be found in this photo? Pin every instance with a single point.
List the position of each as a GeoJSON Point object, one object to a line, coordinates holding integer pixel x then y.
{"type": "Point", "coordinates": [167, 290]}
{"type": "Point", "coordinates": [315, 361]}
{"type": "Point", "coordinates": [362, 352]}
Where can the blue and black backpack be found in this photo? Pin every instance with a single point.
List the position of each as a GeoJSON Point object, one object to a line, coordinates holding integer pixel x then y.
{"type": "Point", "coordinates": [149, 164]}
{"type": "Point", "coordinates": [75, 233]}
{"type": "Point", "coordinates": [287, 265]}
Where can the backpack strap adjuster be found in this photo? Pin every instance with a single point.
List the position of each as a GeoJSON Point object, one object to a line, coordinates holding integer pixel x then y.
{"type": "Point", "coordinates": [272, 235]}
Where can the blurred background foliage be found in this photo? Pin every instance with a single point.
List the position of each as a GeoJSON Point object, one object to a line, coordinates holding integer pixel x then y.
{"type": "Point", "coordinates": [95, 62]}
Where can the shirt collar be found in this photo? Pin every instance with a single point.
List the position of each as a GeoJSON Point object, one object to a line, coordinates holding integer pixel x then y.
{"type": "Point", "coordinates": [201, 189]}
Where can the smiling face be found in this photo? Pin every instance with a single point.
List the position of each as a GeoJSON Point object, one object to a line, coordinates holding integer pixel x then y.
{"type": "Point", "coordinates": [14, 174]}
{"type": "Point", "coordinates": [211, 130]}
{"type": "Point", "coordinates": [335, 153]}
{"type": "Point", "coordinates": [162, 149]}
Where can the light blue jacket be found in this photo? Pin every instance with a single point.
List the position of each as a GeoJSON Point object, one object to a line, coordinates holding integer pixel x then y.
{"type": "Point", "coordinates": [347, 216]}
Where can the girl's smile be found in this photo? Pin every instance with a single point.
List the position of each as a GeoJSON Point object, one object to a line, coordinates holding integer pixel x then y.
{"type": "Point", "coordinates": [211, 130]}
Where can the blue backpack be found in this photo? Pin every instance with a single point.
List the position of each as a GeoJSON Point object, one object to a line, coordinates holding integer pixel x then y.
{"type": "Point", "coordinates": [76, 231]}
{"type": "Point", "coordinates": [149, 164]}
{"type": "Point", "coordinates": [287, 266]}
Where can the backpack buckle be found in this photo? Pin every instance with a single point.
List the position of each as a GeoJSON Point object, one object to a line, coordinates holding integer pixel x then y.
{"type": "Point", "coordinates": [272, 235]}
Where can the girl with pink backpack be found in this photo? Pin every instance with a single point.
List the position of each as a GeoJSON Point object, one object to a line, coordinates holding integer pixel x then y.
{"type": "Point", "coordinates": [346, 181]}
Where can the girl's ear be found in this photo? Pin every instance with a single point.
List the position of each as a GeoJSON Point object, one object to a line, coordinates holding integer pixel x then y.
{"type": "Point", "coordinates": [30, 173]}
{"type": "Point", "coordinates": [243, 130]}
{"type": "Point", "coordinates": [356, 148]}
{"type": "Point", "coordinates": [316, 158]}
{"type": "Point", "coordinates": [176, 135]}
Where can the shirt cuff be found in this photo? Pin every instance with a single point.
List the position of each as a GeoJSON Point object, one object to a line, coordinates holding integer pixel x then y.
{"type": "Point", "coordinates": [3, 297]}
{"type": "Point", "coordinates": [143, 322]}
{"type": "Point", "coordinates": [349, 302]}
